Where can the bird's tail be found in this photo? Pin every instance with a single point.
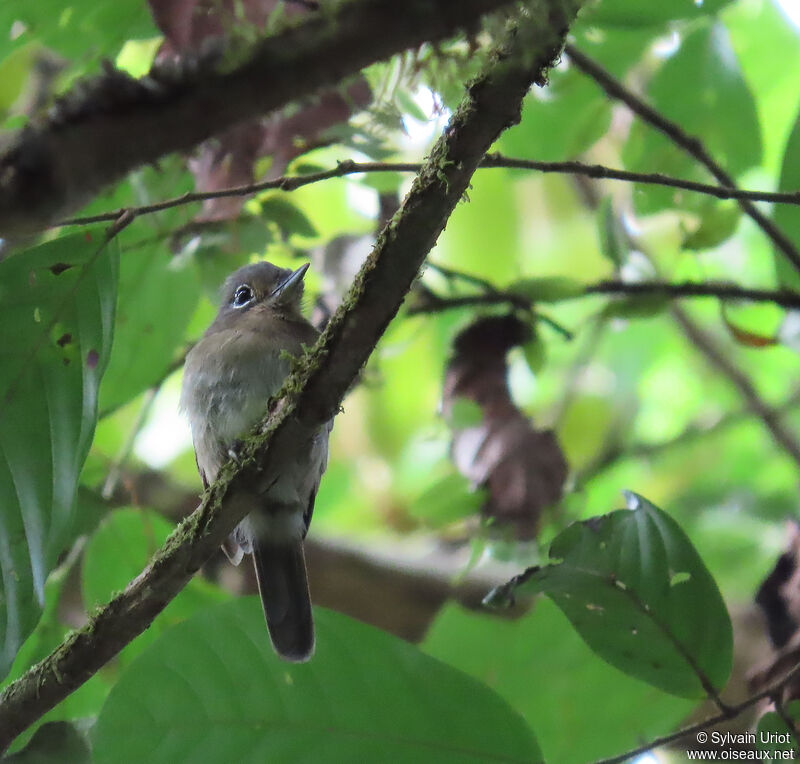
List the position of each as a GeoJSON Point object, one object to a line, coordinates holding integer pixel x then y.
{"type": "Point", "coordinates": [283, 586]}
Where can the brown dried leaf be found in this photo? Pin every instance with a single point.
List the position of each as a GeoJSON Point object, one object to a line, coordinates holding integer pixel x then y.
{"type": "Point", "coordinates": [186, 24]}
{"type": "Point", "coordinates": [779, 600]}
{"type": "Point", "coordinates": [523, 468]}
{"type": "Point", "coordinates": [229, 160]}
{"type": "Point", "coordinates": [779, 594]}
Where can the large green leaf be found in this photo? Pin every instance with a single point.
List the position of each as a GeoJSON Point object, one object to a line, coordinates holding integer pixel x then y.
{"type": "Point", "coordinates": [775, 738]}
{"type": "Point", "coordinates": [759, 27]}
{"type": "Point", "coordinates": [542, 650]}
{"type": "Point", "coordinates": [212, 690]}
{"type": "Point", "coordinates": [56, 320]}
{"type": "Point", "coordinates": [84, 702]}
{"type": "Point", "coordinates": [633, 13]}
{"type": "Point", "coordinates": [54, 743]}
{"type": "Point", "coordinates": [718, 108]}
{"type": "Point", "coordinates": [560, 121]}
{"type": "Point", "coordinates": [787, 216]}
{"type": "Point", "coordinates": [117, 553]}
{"type": "Point", "coordinates": [76, 29]}
{"type": "Point", "coordinates": [157, 296]}
{"type": "Point", "coordinates": [636, 590]}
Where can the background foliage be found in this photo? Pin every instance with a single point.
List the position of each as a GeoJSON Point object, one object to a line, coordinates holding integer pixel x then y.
{"type": "Point", "coordinates": [627, 388]}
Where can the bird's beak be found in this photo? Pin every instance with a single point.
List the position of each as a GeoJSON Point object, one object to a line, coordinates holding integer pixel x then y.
{"type": "Point", "coordinates": [291, 286]}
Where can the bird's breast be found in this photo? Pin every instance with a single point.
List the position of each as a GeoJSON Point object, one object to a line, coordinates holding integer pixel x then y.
{"type": "Point", "coordinates": [229, 381]}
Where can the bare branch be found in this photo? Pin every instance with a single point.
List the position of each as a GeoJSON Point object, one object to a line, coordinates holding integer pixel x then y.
{"type": "Point", "coordinates": [602, 172]}
{"type": "Point", "coordinates": [730, 713]}
{"type": "Point", "coordinates": [785, 298]}
{"type": "Point", "coordinates": [492, 161]}
{"type": "Point", "coordinates": [768, 415]}
{"type": "Point", "coordinates": [315, 391]}
{"type": "Point", "coordinates": [694, 432]}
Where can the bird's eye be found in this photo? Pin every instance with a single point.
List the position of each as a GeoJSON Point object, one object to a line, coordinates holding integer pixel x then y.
{"type": "Point", "coordinates": [242, 296]}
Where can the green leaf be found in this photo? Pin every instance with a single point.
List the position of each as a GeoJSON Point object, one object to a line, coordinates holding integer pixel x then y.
{"type": "Point", "coordinates": [617, 49]}
{"type": "Point", "coordinates": [14, 72]}
{"type": "Point", "coordinates": [718, 108]}
{"type": "Point", "coordinates": [541, 650]}
{"type": "Point", "coordinates": [773, 734]}
{"type": "Point", "coordinates": [77, 30]}
{"type": "Point", "coordinates": [718, 222]}
{"type": "Point", "coordinates": [535, 352]}
{"type": "Point", "coordinates": [614, 243]}
{"type": "Point", "coordinates": [49, 630]}
{"type": "Point", "coordinates": [289, 218]}
{"type": "Point", "coordinates": [84, 702]}
{"type": "Point", "coordinates": [447, 501]}
{"type": "Point", "coordinates": [621, 579]}
{"type": "Point", "coordinates": [54, 743]}
{"type": "Point", "coordinates": [383, 182]}
{"type": "Point", "coordinates": [560, 122]}
{"type": "Point", "coordinates": [632, 13]}
{"type": "Point", "coordinates": [408, 105]}
{"type": "Point", "coordinates": [787, 216]}
{"type": "Point", "coordinates": [483, 225]}
{"type": "Point", "coordinates": [118, 551]}
{"type": "Point", "coordinates": [56, 319]}
{"type": "Point", "coordinates": [157, 296]}
{"type": "Point", "coordinates": [548, 288]}
{"type": "Point", "coordinates": [767, 27]}
{"type": "Point", "coordinates": [464, 413]}
{"type": "Point", "coordinates": [212, 690]}
{"type": "Point", "coordinates": [584, 429]}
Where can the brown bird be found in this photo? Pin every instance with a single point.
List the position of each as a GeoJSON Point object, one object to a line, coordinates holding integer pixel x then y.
{"type": "Point", "coordinates": [231, 373]}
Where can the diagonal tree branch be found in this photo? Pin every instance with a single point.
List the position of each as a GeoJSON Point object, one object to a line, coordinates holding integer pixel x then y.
{"type": "Point", "coordinates": [771, 418]}
{"type": "Point", "coordinates": [688, 143]}
{"type": "Point", "coordinates": [730, 712]}
{"type": "Point", "coordinates": [692, 434]}
{"type": "Point", "coordinates": [315, 391]}
{"type": "Point", "coordinates": [115, 123]}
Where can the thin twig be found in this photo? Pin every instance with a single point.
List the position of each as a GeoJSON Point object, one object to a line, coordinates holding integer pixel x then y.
{"type": "Point", "coordinates": [492, 161]}
{"type": "Point", "coordinates": [601, 172]}
{"type": "Point", "coordinates": [285, 183]}
{"type": "Point", "coordinates": [433, 303]}
{"type": "Point", "coordinates": [785, 298]}
{"type": "Point", "coordinates": [730, 713]}
{"type": "Point", "coordinates": [769, 416]}
{"type": "Point", "coordinates": [691, 434]}
{"type": "Point", "coordinates": [692, 145]}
